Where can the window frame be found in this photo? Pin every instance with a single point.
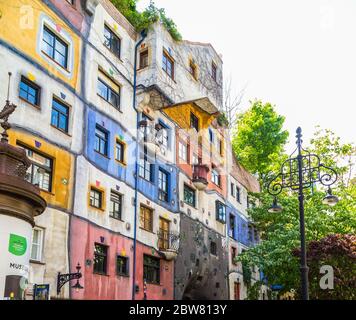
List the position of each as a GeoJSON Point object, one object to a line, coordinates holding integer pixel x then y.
{"type": "Point", "coordinates": [33, 86]}
{"type": "Point", "coordinates": [123, 149]}
{"type": "Point", "coordinates": [220, 216]}
{"type": "Point", "coordinates": [182, 146]}
{"type": "Point", "coordinates": [145, 167]}
{"type": "Point", "coordinates": [213, 248]}
{"type": "Point", "coordinates": [166, 56]}
{"type": "Point", "coordinates": [238, 194]}
{"type": "Point", "coordinates": [215, 174]}
{"type": "Point", "coordinates": [143, 53]}
{"type": "Point", "coordinates": [156, 268]}
{"type": "Point", "coordinates": [100, 199]}
{"type": "Point", "coordinates": [127, 266]}
{"type": "Point", "coordinates": [113, 36]}
{"type": "Point", "coordinates": [104, 255]}
{"type": "Point", "coordinates": [65, 106]}
{"type": "Point", "coordinates": [115, 199]}
{"type": "Point", "coordinates": [186, 187]}
{"type": "Point", "coordinates": [39, 256]}
{"type": "Point", "coordinates": [48, 169]}
{"type": "Point", "coordinates": [56, 38]}
{"type": "Point", "coordinates": [163, 194]}
{"type": "Point", "coordinates": [214, 71]}
{"type": "Point", "coordinates": [105, 139]}
{"type": "Point", "coordinates": [110, 91]}
{"type": "Point", "coordinates": [146, 224]}
{"type": "Point", "coordinates": [163, 235]}
{"type": "Point", "coordinates": [194, 122]}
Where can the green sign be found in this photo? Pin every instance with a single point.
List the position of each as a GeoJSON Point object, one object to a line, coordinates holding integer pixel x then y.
{"type": "Point", "coordinates": [17, 245]}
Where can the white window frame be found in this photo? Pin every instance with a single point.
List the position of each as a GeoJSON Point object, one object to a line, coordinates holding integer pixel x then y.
{"type": "Point", "coordinates": [40, 244]}
{"type": "Point", "coordinates": [183, 151]}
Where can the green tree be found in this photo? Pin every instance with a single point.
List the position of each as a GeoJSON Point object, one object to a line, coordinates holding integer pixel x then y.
{"type": "Point", "coordinates": [259, 138]}
{"type": "Point", "coordinates": [280, 231]}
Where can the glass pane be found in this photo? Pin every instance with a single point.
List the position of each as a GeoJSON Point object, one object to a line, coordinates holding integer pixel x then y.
{"type": "Point", "coordinates": [54, 118]}
{"type": "Point", "coordinates": [102, 90]}
{"type": "Point", "coordinates": [62, 122]}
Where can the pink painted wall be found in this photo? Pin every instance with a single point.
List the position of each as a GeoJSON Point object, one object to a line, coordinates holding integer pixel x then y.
{"type": "Point", "coordinates": [83, 236]}
{"type": "Point", "coordinates": [99, 287]}
{"type": "Point", "coordinates": [155, 292]}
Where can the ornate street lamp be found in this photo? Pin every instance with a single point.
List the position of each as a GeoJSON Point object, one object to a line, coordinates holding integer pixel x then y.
{"type": "Point", "coordinates": [62, 279]}
{"type": "Point", "coordinates": [297, 173]}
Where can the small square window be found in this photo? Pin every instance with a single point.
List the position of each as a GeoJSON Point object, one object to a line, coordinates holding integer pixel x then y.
{"type": "Point", "coordinates": [100, 258]}
{"type": "Point", "coordinates": [119, 151]}
{"type": "Point", "coordinates": [213, 248]}
{"type": "Point", "coordinates": [115, 205]}
{"type": "Point", "coordinates": [29, 91]}
{"type": "Point", "coordinates": [101, 141]}
{"type": "Point", "coordinates": [168, 64]}
{"type": "Point", "coordinates": [54, 47]}
{"type": "Point", "coordinates": [112, 41]}
{"type": "Point", "coordinates": [189, 196]}
{"type": "Point", "coordinates": [96, 198]}
{"type": "Point", "coordinates": [146, 218]}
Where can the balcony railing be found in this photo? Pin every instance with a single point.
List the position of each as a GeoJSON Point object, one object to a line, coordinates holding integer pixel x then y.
{"type": "Point", "coordinates": [168, 244]}
{"type": "Point", "coordinates": [151, 134]}
{"type": "Point", "coordinates": [200, 176]}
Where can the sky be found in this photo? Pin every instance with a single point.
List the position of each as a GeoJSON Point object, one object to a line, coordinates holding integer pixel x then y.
{"type": "Point", "coordinates": [299, 55]}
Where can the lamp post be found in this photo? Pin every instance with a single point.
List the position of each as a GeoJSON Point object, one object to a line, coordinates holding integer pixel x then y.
{"type": "Point", "coordinates": [298, 173]}
{"type": "Point", "coordinates": [64, 278]}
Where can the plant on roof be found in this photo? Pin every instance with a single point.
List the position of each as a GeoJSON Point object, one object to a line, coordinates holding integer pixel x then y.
{"type": "Point", "coordinates": [145, 20]}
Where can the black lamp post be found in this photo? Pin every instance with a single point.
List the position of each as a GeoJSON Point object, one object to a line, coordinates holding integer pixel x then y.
{"type": "Point", "coordinates": [62, 279]}
{"type": "Point", "coordinates": [297, 173]}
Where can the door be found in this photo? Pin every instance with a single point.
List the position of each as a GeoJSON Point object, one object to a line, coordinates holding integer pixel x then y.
{"type": "Point", "coordinates": [237, 291]}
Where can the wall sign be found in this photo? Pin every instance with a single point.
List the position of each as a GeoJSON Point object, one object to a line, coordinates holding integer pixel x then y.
{"type": "Point", "coordinates": [17, 245]}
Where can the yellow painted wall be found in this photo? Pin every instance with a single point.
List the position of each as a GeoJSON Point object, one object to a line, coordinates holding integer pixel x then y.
{"type": "Point", "coordinates": [61, 194]}
{"type": "Point", "coordinates": [19, 27]}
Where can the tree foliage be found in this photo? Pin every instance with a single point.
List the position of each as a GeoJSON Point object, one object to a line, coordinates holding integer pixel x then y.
{"type": "Point", "coordinates": [259, 139]}
{"type": "Point", "coordinates": [280, 231]}
{"type": "Point", "coordinates": [145, 19]}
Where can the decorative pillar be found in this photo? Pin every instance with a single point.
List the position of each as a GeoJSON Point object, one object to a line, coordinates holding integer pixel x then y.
{"type": "Point", "coordinates": [20, 202]}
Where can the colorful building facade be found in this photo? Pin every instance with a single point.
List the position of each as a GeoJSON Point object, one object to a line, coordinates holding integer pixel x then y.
{"type": "Point", "coordinates": [134, 165]}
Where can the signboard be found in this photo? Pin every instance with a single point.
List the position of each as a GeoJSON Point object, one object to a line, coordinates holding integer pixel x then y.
{"type": "Point", "coordinates": [41, 292]}
{"type": "Point", "coordinates": [15, 244]}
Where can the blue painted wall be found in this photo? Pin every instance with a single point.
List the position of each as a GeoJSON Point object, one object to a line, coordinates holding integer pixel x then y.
{"type": "Point", "coordinates": [241, 226]}
{"type": "Point", "coordinates": [126, 173]}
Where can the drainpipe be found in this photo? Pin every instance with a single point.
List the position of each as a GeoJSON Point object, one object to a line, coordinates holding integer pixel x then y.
{"type": "Point", "coordinates": [143, 36]}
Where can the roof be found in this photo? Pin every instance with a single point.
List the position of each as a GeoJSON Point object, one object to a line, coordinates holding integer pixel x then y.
{"type": "Point", "coordinates": [244, 177]}
{"type": "Point", "coordinates": [205, 44]}
{"type": "Point", "coordinates": [203, 103]}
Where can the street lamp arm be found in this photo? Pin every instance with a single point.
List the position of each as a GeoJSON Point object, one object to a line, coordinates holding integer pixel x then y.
{"type": "Point", "coordinates": [64, 278]}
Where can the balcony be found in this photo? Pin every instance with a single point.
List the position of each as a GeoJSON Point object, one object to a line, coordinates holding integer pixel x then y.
{"type": "Point", "coordinates": [168, 244]}
{"type": "Point", "coordinates": [200, 176]}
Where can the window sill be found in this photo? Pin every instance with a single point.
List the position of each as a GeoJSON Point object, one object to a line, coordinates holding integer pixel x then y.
{"type": "Point", "coordinates": [29, 103]}
{"type": "Point", "coordinates": [116, 219]}
{"type": "Point", "coordinates": [116, 108]}
{"type": "Point", "coordinates": [121, 163]}
{"type": "Point", "coordinates": [47, 192]}
{"type": "Point", "coordinates": [103, 155]}
{"type": "Point", "coordinates": [96, 208]}
{"type": "Point", "coordinates": [37, 262]}
{"type": "Point", "coordinates": [149, 231]}
{"type": "Point", "coordinates": [123, 275]}
{"type": "Point", "coordinates": [154, 284]}
{"type": "Point", "coordinates": [60, 130]}
{"type": "Point", "coordinates": [59, 65]}
{"type": "Point", "coordinates": [101, 274]}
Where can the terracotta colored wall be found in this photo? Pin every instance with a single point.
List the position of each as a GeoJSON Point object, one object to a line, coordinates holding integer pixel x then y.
{"type": "Point", "coordinates": [112, 287]}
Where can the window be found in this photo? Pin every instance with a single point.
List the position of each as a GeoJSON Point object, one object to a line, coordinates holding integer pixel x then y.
{"type": "Point", "coordinates": [29, 91]}
{"type": "Point", "coordinates": [112, 41]}
{"type": "Point", "coordinates": [151, 269]}
{"type": "Point", "coordinates": [101, 141]}
{"type": "Point", "coordinates": [162, 135]}
{"type": "Point", "coordinates": [163, 236]}
{"type": "Point", "coordinates": [189, 196]}
{"type": "Point", "coordinates": [214, 71]}
{"type": "Point", "coordinates": [232, 226]}
{"type": "Point", "coordinates": [194, 121]}
{"type": "Point", "coordinates": [213, 248]}
{"type": "Point", "coordinates": [163, 181]}
{"type": "Point", "coordinates": [37, 244]}
{"type": "Point", "coordinates": [145, 169]}
{"type": "Point", "coordinates": [119, 151]}
{"type": "Point", "coordinates": [144, 59]}
{"type": "Point", "coordinates": [168, 64]}
{"type": "Point", "coordinates": [40, 171]}
{"type": "Point", "coordinates": [122, 266]}
{"type": "Point", "coordinates": [183, 151]}
{"type": "Point", "coordinates": [96, 198]}
{"type": "Point", "coordinates": [238, 194]}
{"type": "Point", "coordinates": [108, 93]}
{"type": "Point", "coordinates": [215, 177]}
{"type": "Point", "coordinates": [195, 159]}
{"type": "Point", "coordinates": [193, 69]}
{"type": "Point", "coordinates": [60, 115]}
{"type": "Point", "coordinates": [236, 291]}
{"type": "Point", "coordinates": [232, 189]}
{"type": "Point", "coordinates": [146, 218]}
{"type": "Point", "coordinates": [221, 147]}
{"type": "Point", "coordinates": [211, 136]}
{"type": "Point", "coordinates": [54, 47]}
{"type": "Point", "coordinates": [250, 233]}
{"type": "Point", "coordinates": [115, 205]}
{"type": "Point", "coordinates": [233, 255]}
{"type": "Point", "coordinates": [220, 212]}
{"type": "Point", "coordinates": [100, 258]}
